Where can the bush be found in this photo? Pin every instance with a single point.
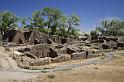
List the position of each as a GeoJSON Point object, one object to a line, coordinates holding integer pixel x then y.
{"type": "Point", "coordinates": [51, 76]}
{"type": "Point", "coordinates": [86, 34]}
{"type": "Point", "coordinates": [93, 33]}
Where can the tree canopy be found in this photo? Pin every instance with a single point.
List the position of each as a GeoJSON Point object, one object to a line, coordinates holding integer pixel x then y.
{"type": "Point", "coordinates": [47, 20]}
{"type": "Point", "coordinates": [8, 20]}
{"type": "Point", "coordinates": [111, 27]}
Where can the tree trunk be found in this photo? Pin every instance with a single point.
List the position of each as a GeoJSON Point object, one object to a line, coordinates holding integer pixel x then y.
{"type": "Point", "coordinates": [2, 33]}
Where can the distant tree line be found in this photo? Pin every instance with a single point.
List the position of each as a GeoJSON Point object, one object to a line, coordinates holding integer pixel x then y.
{"type": "Point", "coordinates": [110, 27]}
{"type": "Point", "coordinates": [47, 20]}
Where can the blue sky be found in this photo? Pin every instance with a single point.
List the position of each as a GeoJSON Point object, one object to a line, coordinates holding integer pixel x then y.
{"type": "Point", "coordinates": [90, 11]}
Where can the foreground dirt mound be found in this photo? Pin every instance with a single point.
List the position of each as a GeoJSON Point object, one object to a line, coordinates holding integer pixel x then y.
{"type": "Point", "coordinates": [6, 61]}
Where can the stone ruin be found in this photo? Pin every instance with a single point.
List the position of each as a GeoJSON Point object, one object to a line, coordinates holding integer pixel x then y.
{"type": "Point", "coordinates": [39, 49]}
{"type": "Point", "coordinates": [33, 37]}
{"type": "Point", "coordinates": [19, 38]}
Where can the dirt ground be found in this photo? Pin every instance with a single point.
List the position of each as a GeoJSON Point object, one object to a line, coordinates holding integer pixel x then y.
{"type": "Point", "coordinates": [112, 71]}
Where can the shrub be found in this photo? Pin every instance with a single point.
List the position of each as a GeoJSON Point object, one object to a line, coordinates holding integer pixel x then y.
{"type": "Point", "coordinates": [51, 76]}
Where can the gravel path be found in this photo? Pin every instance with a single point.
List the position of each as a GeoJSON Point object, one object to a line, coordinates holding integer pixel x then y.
{"type": "Point", "coordinates": [108, 57]}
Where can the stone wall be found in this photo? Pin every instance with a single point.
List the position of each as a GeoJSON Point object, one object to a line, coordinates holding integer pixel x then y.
{"type": "Point", "coordinates": [40, 50]}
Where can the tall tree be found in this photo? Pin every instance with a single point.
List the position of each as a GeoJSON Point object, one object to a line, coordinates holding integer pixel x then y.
{"type": "Point", "coordinates": [73, 22]}
{"type": "Point", "coordinates": [110, 26]}
{"type": "Point", "coordinates": [53, 17]}
{"type": "Point", "coordinates": [63, 27]}
{"type": "Point", "coordinates": [8, 20]}
{"type": "Point", "coordinates": [23, 21]}
{"type": "Point", "coordinates": [37, 19]}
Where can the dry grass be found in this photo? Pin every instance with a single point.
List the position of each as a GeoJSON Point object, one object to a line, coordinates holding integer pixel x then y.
{"type": "Point", "coordinates": [51, 76]}
{"type": "Point", "coordinates": [109, 72]}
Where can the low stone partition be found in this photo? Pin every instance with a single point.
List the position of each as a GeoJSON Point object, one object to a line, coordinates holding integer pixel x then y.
{"type": "Point", "coordinates": [44, 38]}
{"type": "Point", "coordinates": [61, 58]}
{"type": "Point", "coordinates": [67, 40]}
{"type": "Point", "coordinates": [40, 50]}
{"type": "Point", "coordinates": [40, 61]}
{"type": "Point", "coordinates": [55, 38]}
{"type": "Point", "coordinates": [83, 55]}
{"type": "Point", "coordinates": [80, 55]}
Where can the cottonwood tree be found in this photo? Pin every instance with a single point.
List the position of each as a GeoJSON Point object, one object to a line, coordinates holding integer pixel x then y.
{"type": "Point", "coordinates": [54, 22]}
{"type": "Point", "coordinates": [23, 21]}
{"type": "Point", "coordinates": [8, 20]}
{"type": "Point", "coordinates": [38, 22]}
{"type": "Point", "coordinates": [37, 19]}
{"type": "Point", "coordinates": [111, 26]}
{"type": "Point", "coordinates": [73, 22]}
{"type": "Point", "coordinates": [53, 19]}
